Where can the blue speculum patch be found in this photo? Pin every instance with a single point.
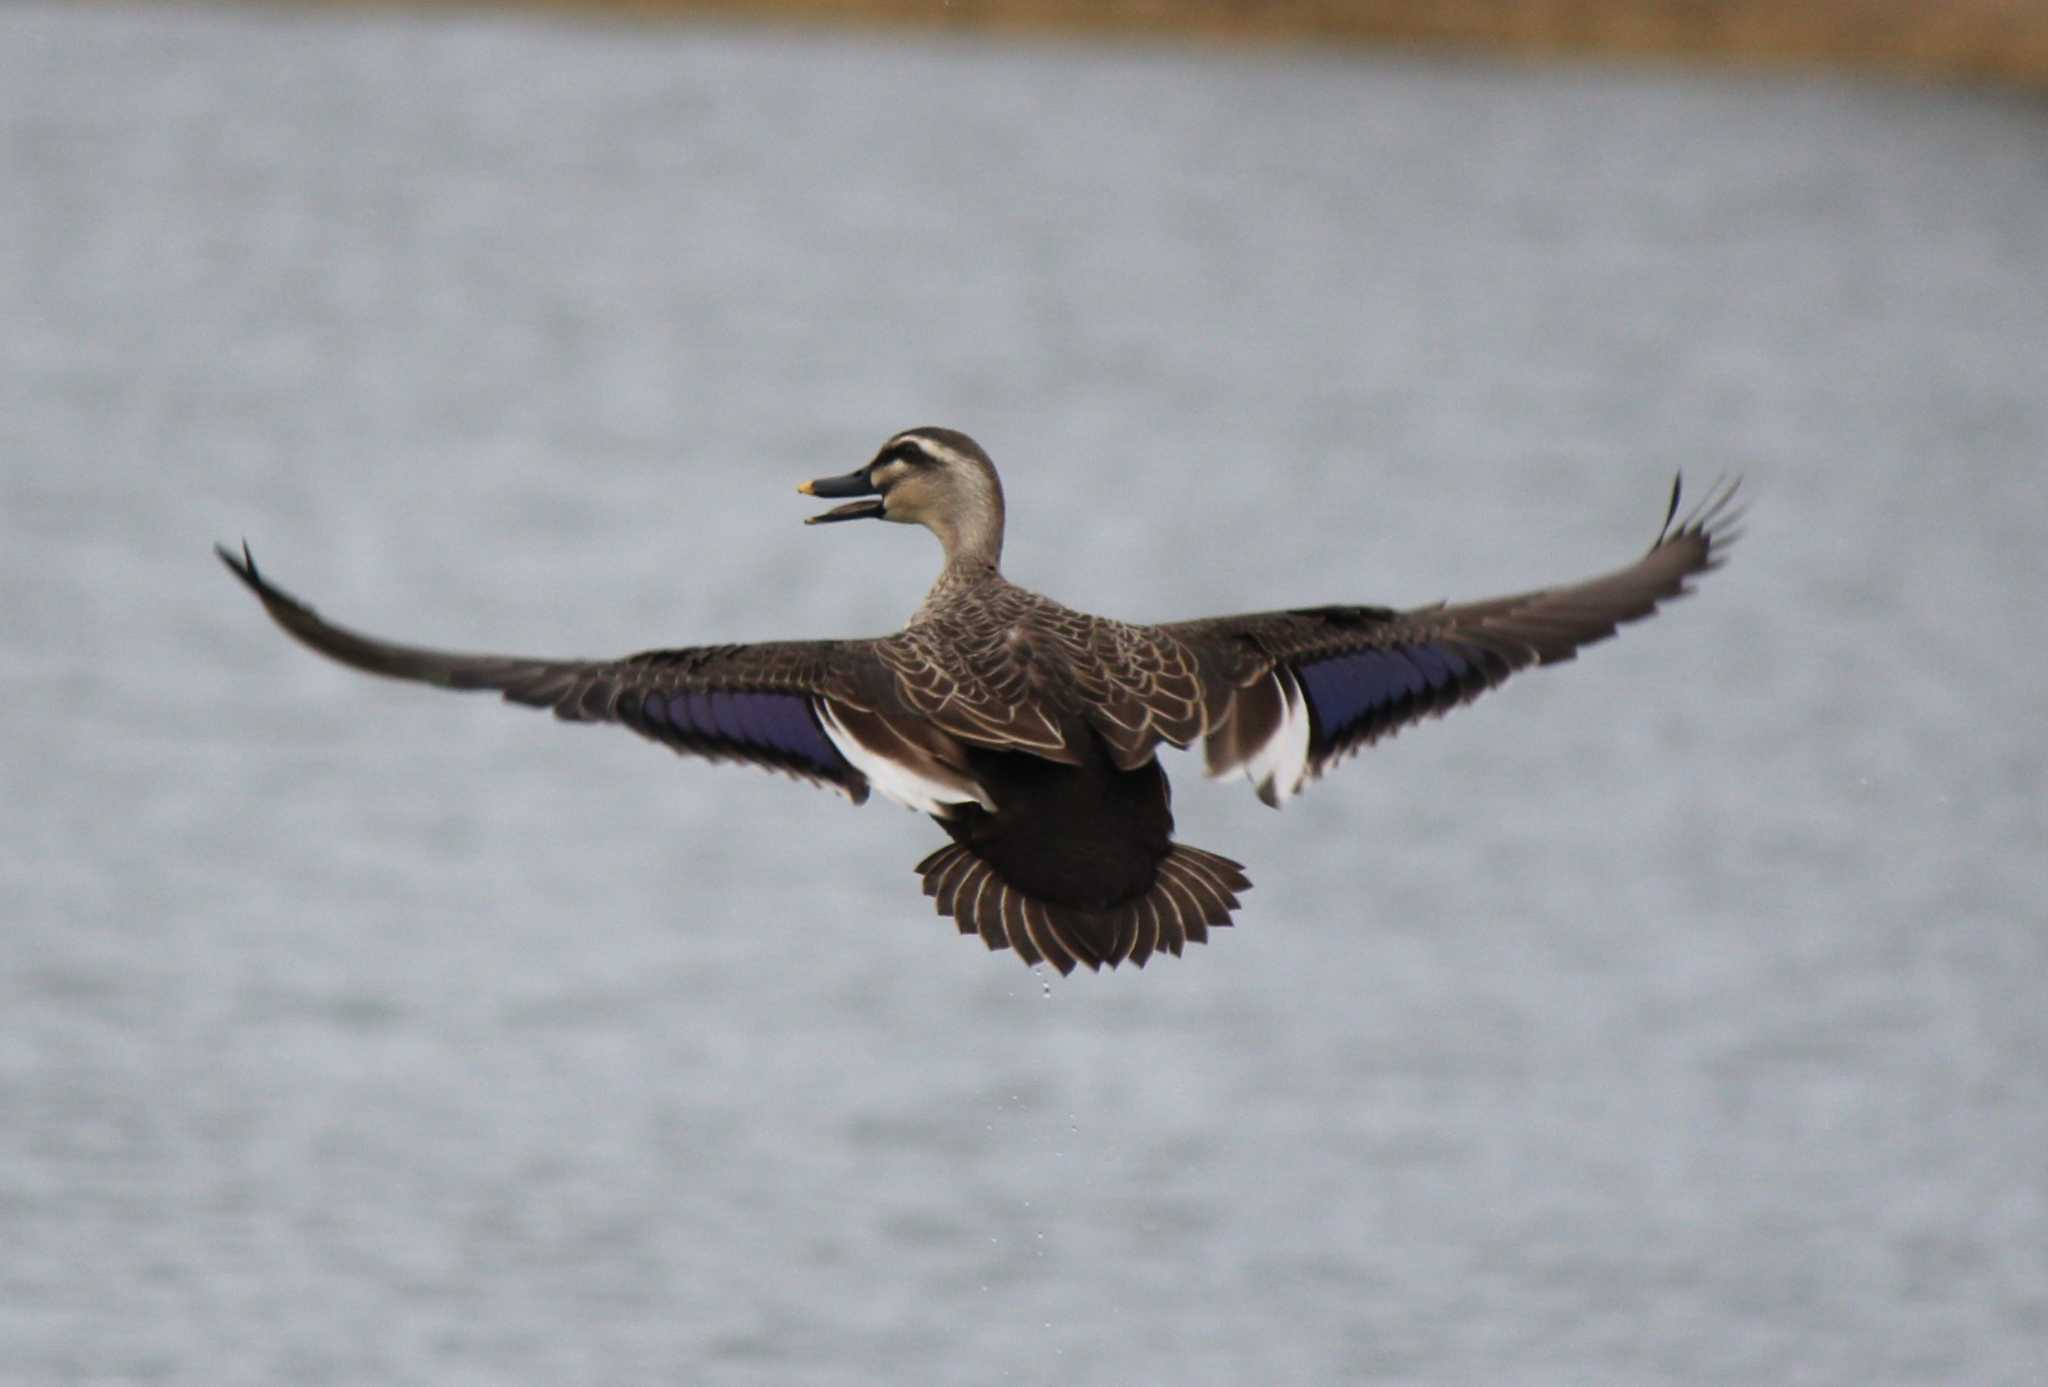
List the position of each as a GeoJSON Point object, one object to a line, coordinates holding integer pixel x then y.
{"type": "Point", "coordinates": [1343, 690]}
{"type": "Point", "coordinates": [773, 722]}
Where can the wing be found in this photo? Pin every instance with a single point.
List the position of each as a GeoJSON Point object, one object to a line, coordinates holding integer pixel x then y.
{"type": "Point", "coordinates": [768, 704]}
{"type": "Point", "coordinates": [1300, 690]}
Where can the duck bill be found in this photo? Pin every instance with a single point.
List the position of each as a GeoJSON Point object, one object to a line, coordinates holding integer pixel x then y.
{"type": "Point", "coordinates": [853, 510]}
{"type": "Point", "coordinates": [854, 483]}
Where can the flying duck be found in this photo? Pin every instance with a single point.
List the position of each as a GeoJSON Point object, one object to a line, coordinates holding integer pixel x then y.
{"type": "Point", "coordinates": [1030, 731]}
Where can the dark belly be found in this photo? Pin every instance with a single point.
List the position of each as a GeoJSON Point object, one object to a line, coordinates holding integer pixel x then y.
{"type": "Point", "coordinates": [1089, 837]}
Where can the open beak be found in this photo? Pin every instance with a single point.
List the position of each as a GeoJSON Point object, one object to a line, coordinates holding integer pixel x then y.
{"type": "Point", "coordinates": [854, 483]}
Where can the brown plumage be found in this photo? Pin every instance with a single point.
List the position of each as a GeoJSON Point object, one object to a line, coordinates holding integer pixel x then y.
{"type": "Point", "coordinates": [1028, 730]}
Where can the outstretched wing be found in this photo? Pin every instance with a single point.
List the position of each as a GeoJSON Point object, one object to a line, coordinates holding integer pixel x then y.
{"type": "Point", "coordinates": [1301, 690]}
{"type": "Point", "coordinates": [767, 704]}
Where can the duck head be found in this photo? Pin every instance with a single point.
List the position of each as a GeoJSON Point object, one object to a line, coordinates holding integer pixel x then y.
{"type": "Point", "coordinates": [937, 478]}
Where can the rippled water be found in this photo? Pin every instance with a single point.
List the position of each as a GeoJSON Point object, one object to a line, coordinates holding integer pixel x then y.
{"type": "Point", "coordinates": [1674, 1016]}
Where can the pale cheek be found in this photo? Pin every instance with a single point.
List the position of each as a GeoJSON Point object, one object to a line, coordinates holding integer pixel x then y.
{"type": "Point", "coordinates": [904, 502]}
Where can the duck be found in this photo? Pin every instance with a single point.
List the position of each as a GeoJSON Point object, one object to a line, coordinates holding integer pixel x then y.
{"type": "Point", "coordinates": [1030, 731]}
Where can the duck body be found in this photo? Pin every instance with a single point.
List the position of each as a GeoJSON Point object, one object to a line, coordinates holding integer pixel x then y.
{"type": "Point", "coordinates": [1059, 811]}
{"type": "Point", "coordinates": [1111, 827]}
{"type": "Point", "coordinates": [1028, 730]}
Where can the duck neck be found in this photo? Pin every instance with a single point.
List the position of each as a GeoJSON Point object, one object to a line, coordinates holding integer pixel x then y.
{"type": "Point", "coordinates": [962, 573]}
{"type": "Point", "coordinates": [973, 540]}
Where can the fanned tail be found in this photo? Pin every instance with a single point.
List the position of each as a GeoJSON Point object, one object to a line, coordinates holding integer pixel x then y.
{"type": "Point", "coordinates": [1193, 892]}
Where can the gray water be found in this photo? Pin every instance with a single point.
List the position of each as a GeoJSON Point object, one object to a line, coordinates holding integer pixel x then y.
{"type": "Point", "coordinates": [1678, 1015]}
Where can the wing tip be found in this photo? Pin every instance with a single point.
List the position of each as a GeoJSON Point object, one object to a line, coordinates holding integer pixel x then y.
{"type": "Point", "coordinates": [285, 609]}
{"type": "Point", "coordinates": [1714, 518]}
{"type": "Point", "coordinates": [242, 566]}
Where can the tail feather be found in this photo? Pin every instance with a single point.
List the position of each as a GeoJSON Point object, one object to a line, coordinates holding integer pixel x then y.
{"type": "Point", "coordinates": [1075, 945]}
{"type": "Point", "coordinates": [1205, 887]}
{"type": "Point", "coordinates": [1177, 923]}
{"type": "Point", "coordinates": [1193, 892]}
{"type": "Point", "coordinates": [943, 882]}
{"type": "Point", "coordinates": [980, 901]}
{"type": "Point", "coordinates": [1144, 932]}
{"type": "Point", "coordinates": [1227, 876]}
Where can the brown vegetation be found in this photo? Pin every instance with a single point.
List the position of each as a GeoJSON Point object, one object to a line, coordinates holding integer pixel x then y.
{"type": "Point", "coordinates": [1984, 39]}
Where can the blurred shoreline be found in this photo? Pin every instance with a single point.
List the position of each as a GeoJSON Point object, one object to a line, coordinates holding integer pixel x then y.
{"type": "Point", "coordinates": [1979, 40]}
